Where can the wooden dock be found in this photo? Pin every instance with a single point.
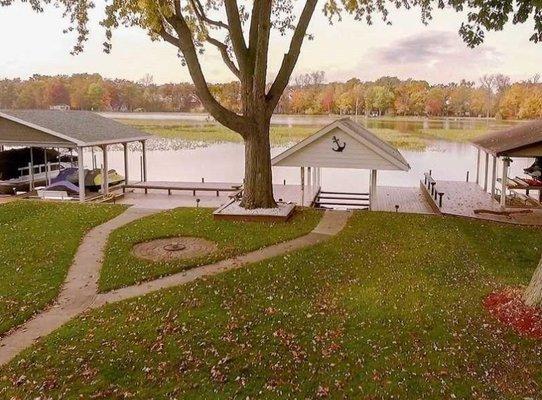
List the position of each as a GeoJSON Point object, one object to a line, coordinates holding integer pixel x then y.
{"type": "Point", "coordinates": [467, 199]}
{"type": "Point", "coordinates": [167, 195]}
{"type": "Point", "coordinates": [408, 200]}
{"type": "Point", "coordinates": [193, 187]}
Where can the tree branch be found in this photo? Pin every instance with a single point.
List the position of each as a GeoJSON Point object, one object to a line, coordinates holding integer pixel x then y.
{"type": "Point", "coordinates": [236, 33]}
{"type": "Point", "coordinates": [225, 55]}
{"type": "Point", "coordinates": [254, 22]}
{"type": "Point", "coordinates": [262, 50]}
{"type": "Point", "coordinates": [202, 16]}
{"type": "Point", "coordinates": [185, 43]}
{"type": "Point", "coordinates": [290, 59]}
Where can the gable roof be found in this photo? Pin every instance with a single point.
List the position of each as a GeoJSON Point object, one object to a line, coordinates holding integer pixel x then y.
{"type": "Point", "coordinates": [507, 141]}
{"type": "Point", "coordinates": [81, 128]}
{"type": "Point", "coordinates": [362, 135]}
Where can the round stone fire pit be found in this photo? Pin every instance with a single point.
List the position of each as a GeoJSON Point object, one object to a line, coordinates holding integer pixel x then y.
{"type": "Point", "coordinates": [177, 248]}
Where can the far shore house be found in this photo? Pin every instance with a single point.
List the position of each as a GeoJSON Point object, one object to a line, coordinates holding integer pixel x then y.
{"type": "Point", "coordinates": [74, 130]}
{"type": "Point", "coordinates": [342, 144]}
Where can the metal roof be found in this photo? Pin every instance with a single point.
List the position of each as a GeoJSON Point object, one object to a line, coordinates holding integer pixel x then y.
{"type": "Point", "coordinates": [361, 134]}
{"type": "Point", "coordinates": [82, 128]}
{"type": "Point", "coordinates": [508, 141]}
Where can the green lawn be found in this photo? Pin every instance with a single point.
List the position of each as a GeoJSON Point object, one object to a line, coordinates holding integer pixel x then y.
{"type": "Point", "coordinates": [390, 308]}
{"type": "Point", "coordinates": [121, 268]}
{"type": "Point", "coordinates": [37, 243]}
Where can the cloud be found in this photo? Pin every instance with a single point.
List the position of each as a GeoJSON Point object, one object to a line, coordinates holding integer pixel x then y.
{"type": "Point", "coordinates": [432, 47]}
{"type": "Point", "coordinates": [437, 56]}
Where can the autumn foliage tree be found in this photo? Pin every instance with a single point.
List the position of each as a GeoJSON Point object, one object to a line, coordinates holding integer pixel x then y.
{"type": "Point", "coordinates": [241, 30]}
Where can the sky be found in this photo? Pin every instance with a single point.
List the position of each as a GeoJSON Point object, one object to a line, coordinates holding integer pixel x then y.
{"type": "Point", "coordinates": [34, 44]}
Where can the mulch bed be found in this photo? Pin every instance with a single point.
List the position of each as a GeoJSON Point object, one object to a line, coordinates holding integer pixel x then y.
{"type": "Point", "coordinates": [508, 307]}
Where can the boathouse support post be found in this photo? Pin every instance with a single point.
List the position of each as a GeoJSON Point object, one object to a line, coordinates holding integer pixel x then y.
{"type": "Point", "coordinates": [319, 176]}
{"type": "Point", "coordinates": [504, 181]}
{"type": "Point", "coordinates": [31, 169]}
{"type": "Point", "coordinates": [105, 171]}
{"type": "Point", "coordinates": [478, 167]}
{"type": "Point", "coordinates": [486, 172]}
{"type": "Point", "coordinates": [144, 153]}
{"type": "Point", "coordinates": [494, 177]}
{"type": "Point", "coordinates": [92, 157]}
{"type": "Point", "coordinates": [46, 167]}
{"type": "Point", "coordinates": [302, 186]}
{"type": "Point", "coordinates": [126, 167]}
{"type": "Point", "coordinates": [81, 167]}
{"type": "Point", "coordinates": [372, 188]}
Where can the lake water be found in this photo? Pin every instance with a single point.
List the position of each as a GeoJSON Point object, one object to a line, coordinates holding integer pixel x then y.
{"type": "Point", "coordinates": [225, 162]}
{"type": "Point", "coordinates": [176, 160]}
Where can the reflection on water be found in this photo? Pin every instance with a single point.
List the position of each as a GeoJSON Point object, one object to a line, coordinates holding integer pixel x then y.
{"type": "Point", "coordinates": [224, 162]}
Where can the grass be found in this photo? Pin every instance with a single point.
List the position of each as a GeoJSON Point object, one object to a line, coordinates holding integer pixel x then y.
{"type": "Point", "coordinates": [121, 268]}
{"type": "Point", "coordinates": [216, 133]}
{"type": "Point", "coordinates": [390, 308]}
{"type": "Point", "coordinates": [416, 139]}
{"type": "Point", "coordinates": [38, 241]}
{"type": "Point", "coordinates": [455, 135]}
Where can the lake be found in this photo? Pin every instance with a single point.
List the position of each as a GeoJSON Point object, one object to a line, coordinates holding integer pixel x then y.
{"type": "Point", "coordinates": [177, 160]}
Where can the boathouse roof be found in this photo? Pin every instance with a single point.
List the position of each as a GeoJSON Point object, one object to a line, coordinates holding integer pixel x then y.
{"type": "Point", "coordinates": [343, 144]}
{"type": "Point", "coordinates": [58, 128]}
{"type": "Point", "coordinates": [524, 140]}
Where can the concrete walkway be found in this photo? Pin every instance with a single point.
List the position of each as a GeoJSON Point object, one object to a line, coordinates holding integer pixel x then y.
{"type": "Point", "coordinates": [80, 291]}
{"type": "Point", "coordinates": [77, 293]}
{"type": "Point", "coordinates": [331, 224]}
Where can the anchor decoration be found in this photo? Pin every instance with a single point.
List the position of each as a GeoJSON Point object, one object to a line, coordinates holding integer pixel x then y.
{"type": "Point", "coordinates": [337, 146]}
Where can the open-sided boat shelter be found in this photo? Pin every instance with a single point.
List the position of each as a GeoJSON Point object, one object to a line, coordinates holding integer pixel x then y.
{"type": "Point", "coordinates": [522, 141]}
{"type": "Point", "coordinates": [75, 130]}
{"type": "Point", "coordinates": [342, 144]}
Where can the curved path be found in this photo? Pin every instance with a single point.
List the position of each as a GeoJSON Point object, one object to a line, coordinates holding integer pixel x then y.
{"type": "Point", "coordinates": [80, 290]}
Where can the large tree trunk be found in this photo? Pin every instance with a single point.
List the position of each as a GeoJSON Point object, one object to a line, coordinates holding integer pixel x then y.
{"type": "Point", "coordinates": [533, 293]}
{"type": "Point", "coordinates": [258, 184]}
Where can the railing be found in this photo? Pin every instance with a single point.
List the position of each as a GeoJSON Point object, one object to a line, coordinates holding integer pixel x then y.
{"type": "Point", "coordinates": [38, 169]}
{"type": "Point", "coordinates": [431, 185]}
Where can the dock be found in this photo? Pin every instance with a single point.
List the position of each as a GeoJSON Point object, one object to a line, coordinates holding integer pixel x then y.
{"type": "Point", "coordinates": [193, 187]}
{"type": "Point", "coordinates": [401, 199]}
{"type": "Point", "coordinates": [168, 195]}
{"type": "Point", "coordinates": [468, 199]}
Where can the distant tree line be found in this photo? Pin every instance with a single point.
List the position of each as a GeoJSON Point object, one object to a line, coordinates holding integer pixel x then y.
{"type": "Point", "coordinates": [492, 96]}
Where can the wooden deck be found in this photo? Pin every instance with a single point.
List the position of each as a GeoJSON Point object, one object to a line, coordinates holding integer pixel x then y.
{"type": "Point", "coordinates": [194, 187]}
{"type": "Point", "coordinates": [463, 198]}
{"type": "Point", "coordinates": [409, 200]}
{"type": "Point", "coordinates": [182, 194]}
{"type": "Point", "coordinates": [294, 194]}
